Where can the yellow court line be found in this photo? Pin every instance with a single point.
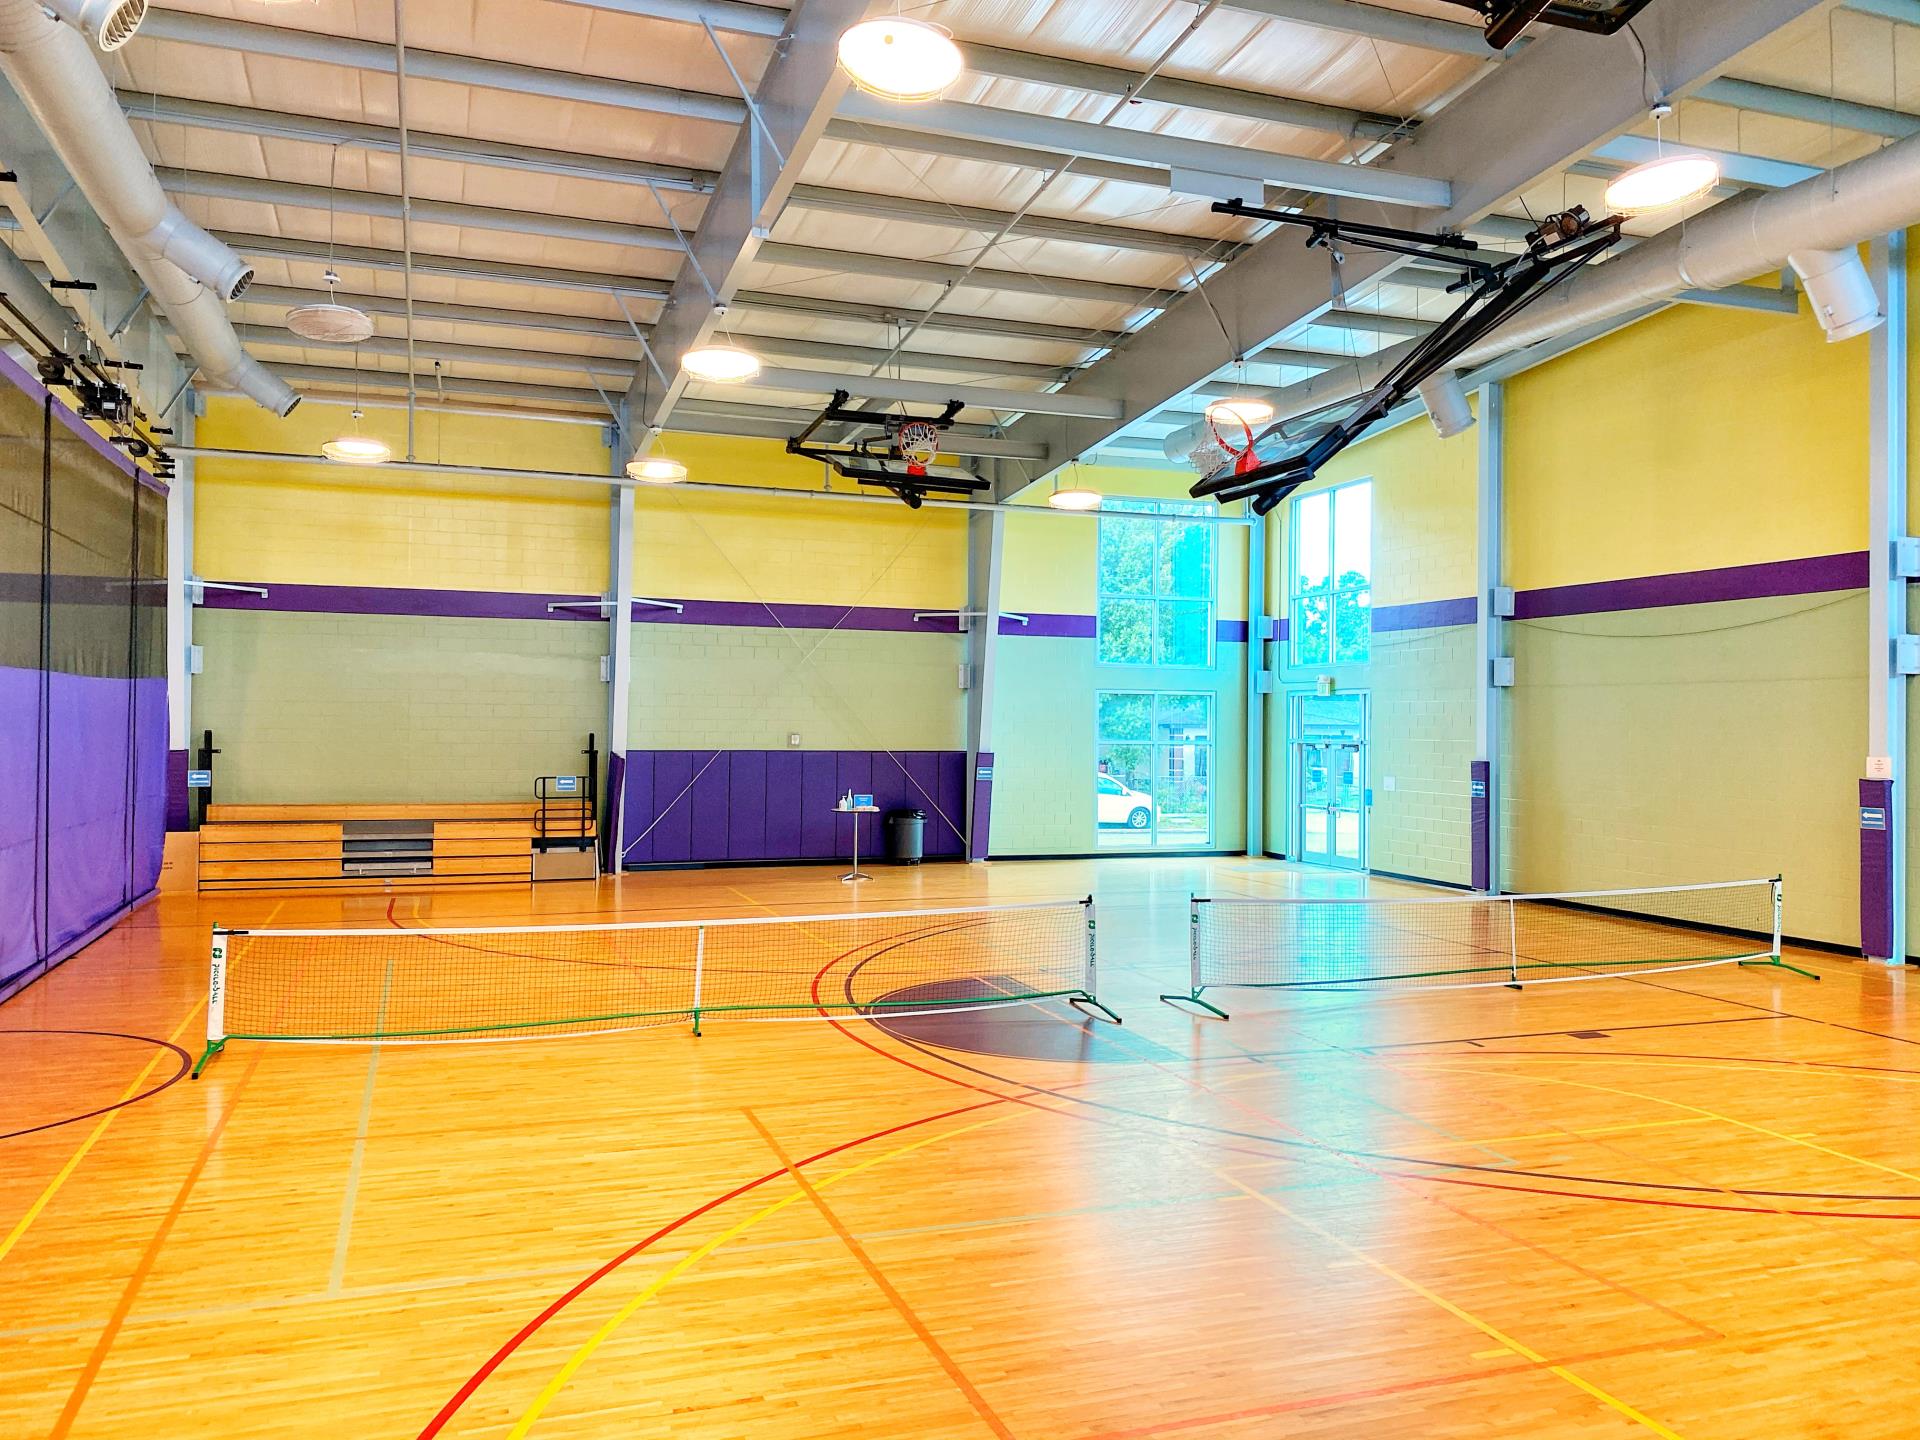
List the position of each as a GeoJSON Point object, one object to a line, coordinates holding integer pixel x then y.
{"type": "Point", "coordinates": [93, 1137]}
{"type": "Point", "coordinates": [580, 1356]}
{"type": "Point", "coordinates": [73, 1163]}
{"type": "Point", "coordinates": [1699, 1110]}
{"type": "Point", "coordinates": [1407, 1282]}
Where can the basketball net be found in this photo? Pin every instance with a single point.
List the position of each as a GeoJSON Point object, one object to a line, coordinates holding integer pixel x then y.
{"type": "Point", "coordinates": [1243, 457]}
{"type": "Point", "coordinates": [918, 443]}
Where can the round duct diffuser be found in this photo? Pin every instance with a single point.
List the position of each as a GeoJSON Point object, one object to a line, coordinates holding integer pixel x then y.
{"type": "Point", "coordinates": [330, 324]}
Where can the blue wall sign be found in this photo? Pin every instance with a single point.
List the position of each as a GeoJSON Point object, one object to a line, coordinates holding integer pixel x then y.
{"type": "Point", "coordinates": [1872, 817]}
{"type": "Point", "coordinates": [199, 779]}
{"type": "Point", "coordinates": [566, 784]}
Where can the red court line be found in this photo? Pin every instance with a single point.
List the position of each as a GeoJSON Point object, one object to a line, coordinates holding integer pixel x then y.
{"type": "Point", "coordinates": [520, 1337]}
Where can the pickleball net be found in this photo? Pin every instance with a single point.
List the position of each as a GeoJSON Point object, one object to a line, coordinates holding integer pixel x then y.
{"type": "Point", "coordinates": [1433, 942]}
{"type": "Point", "coordinates": [474, 983]}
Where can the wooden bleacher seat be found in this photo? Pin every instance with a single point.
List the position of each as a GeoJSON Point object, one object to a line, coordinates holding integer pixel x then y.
{"type": "Point", "coordinates": [379, 847]}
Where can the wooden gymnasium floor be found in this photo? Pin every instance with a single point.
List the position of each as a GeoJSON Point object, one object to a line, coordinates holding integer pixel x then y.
{"type": "Point", "coordinates": [1685, 1206]}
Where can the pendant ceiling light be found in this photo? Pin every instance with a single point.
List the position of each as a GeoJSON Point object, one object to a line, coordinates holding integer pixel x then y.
{"type": "Point", "coordinates": [1240, 410]}
{"type": "Point", "coordinates": [900, 59]}
{"type": "Point", "coordinates": [1665, 180]}
{"type": "Point", "coordinates": [656, 470]}
{"type": "Point", "coordinates": [353, 448]}
{"type": "Point", "coordinates": [329, 322]}
{"type": "Point", "coordinates": [725, 363]}
{"type": "Point", "coordinates": [1076, 496]}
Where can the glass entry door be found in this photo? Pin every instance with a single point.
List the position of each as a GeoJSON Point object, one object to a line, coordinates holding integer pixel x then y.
{"type": "Point", "coordinates": [1329, 780]}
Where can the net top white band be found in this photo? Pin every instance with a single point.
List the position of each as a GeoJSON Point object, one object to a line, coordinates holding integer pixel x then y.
{"type": "Point", "coordinates": [1475, 898]}
{"type": "Point", "coordinates": [364, 931]}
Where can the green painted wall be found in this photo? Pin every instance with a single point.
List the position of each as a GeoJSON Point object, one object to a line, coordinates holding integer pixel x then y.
{"type": "Point", "coordinates": [319, 708]}
{"type": "Point", "coordinates": [1698, 742]}
{"type": "Point", "coordinates": [1045, 752]}
{"type": "Point", "coordinates": [738, 688]}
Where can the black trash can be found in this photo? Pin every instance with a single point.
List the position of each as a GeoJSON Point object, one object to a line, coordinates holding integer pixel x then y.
{"type": "Point", "coordinates": [906, 836]}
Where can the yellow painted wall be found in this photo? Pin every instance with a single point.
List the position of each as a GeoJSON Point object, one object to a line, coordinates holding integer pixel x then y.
{"type": "Point", "coordinates": [702, 545]}
{"type": "Point", "coordinates": [1698, 439]}
{"type": "Point", "coordinates": [339, 525]}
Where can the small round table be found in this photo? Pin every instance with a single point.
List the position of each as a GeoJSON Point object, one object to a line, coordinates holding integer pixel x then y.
{"type": "Point", "coordinates": [856, 811]}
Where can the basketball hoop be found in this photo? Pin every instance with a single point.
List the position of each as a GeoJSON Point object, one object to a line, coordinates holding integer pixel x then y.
{"type": "Point", "coordinates": [1243, 457]}
{"type": "Point", "coordinates": [918, 443]}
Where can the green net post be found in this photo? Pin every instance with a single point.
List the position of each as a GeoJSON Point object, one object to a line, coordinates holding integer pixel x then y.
{"type": "Point", "coordinates": [216, 1000]}
{"type": "Point", "coordinates": [1194, 987]}
{"type": "Point", "coordinates": [1774, 957]}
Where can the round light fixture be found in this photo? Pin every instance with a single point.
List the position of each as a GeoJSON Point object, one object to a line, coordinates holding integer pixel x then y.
{"type": "Point", "coordinates": [1077, 498]}
{"type": "Point", "coordinates": [356, 449]}
{"type": "Point", "coordinates": [1660, 184]}
{"type": "Point", "coordinates": [1240, 410]}
{"type": "Point", "coordinates": [728, 364]}
{"type": "Point", "coordinates": [656, 470]}
{"type": "Point", "coordinates": [900, 59]}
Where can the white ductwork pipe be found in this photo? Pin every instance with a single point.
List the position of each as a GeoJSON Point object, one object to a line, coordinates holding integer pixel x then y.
{"type": "Point", "coordinates": [1840, 290]}
{"type": "Point", "coordinates": [190, 273]}
{"type": "Point", "coordinates": [1447, 405]}
{"type": "Point", "coordinates": [1835, 211]}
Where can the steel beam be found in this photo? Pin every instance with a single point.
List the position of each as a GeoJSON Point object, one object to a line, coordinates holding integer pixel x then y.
{"type": "Point", "coordinates": [620, 591]}
{"type": "Point", "coordinates": [734, 16]}
{"type": "Point", "coordinates": [457, 267]}
{"type": "Point", "coordinates": [986, 550]}
{"type": "Point", "coordinates": [933, 272]}
{"type": "Point", "coordinates": [929, 392]}
{"type": "Point", "coordinates": [429, 212]}
{"type": "Point", "coordinates": [980, 218]}
{"type": "Point", "coordinates": [1024, 157]}
{"type": "Point", "coordinates": [374, 55]}
{"type": "Point", "coordinates": [1735, 167]}
{"type": "Point", "coordinates": [1374, 22]}
{"type": "Point", "coordinates": [1883, 847]}
{"type": "Point", "coordinates": [1785, 104]}
{"type": "Point", "coordinates": [1218, 165]}
{"type": "Point", "coordinates": [795, 99]}
{"type": "Point", "coordinates": [1576, 94]}
{"type": "Point", "coordinates": [1489, 641]}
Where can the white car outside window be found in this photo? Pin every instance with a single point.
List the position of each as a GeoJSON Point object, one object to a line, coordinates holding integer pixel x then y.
{"type": "Point", "coordinates": [1118, 805]}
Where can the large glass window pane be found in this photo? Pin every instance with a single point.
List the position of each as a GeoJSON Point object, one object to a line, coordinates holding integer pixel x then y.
{"type": "Point", "coordinates": [1181, 786]}
{"type": "Point", "coordinates": [1126, 632]}
{"type": "Point", "coordinates": [1123, 796]}
{"type": "Point", "coordinates": [1353, 536]}
{"type": "Point", "coordinates": [1182, 638]}
{"type": "Point", "coordinates": [1352, 626]}
{"type": "Point", "coordinates": [1185, 553]}
{"type": "Point", "coordinates": [1310, 624]}
{"type": "Point", "coordinates": [1183, 719]}
{"type": "Point", "coordinates": [1125, 716]}
{"type": "Point", "coordinates": [1310, 543]}
{"type": "Point", "coordinates": [1126, 556]}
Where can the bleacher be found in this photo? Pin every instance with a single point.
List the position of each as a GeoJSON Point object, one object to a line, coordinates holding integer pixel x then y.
{"type": "Point", "coordinates": [399, 846]}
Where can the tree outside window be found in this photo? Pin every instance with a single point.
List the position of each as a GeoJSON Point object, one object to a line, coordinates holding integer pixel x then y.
{"type": "Point", "coordinates": [1330, 587]}
{"type": "Point", "coordinates": [1155, 584]}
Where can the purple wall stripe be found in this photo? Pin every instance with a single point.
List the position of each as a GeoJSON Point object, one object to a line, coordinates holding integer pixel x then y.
{"type": "Point", "coordinates": [744, 805]}
{"type": "Point", "coordinates": [1230, 632]}
{"type": "Point", "coordinates": [382, 600]}
{"type": "Point", "coordinates": [1813, 575]}
{"type": "Point", "coordinates": [1051, 627]}
{"type": "Point", "coordinates": [1480, 823]}
{"type": "Point", "coordinates": [30, 385]}
{"type": "Point", "coordinates": [1427, 615]}
{"type": "Point", "coordinates": [1876, 869]}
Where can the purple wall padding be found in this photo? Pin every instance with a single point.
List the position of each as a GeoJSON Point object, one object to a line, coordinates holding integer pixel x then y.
{"type": "Point", "coordinates": [616, 804]}
{"type": "Point", "coordinates": [982, 806]}
{"type": "Point", "coordinates": [104, 836]}
{"type": "Point", "coordinates": [1876, 869]}
{"type": "Point", "coordinates": [1480, 823]}
{"type": "Point", "coordinates": [179, 798]}
{"type": "Point", "coordinates": [704, 806]}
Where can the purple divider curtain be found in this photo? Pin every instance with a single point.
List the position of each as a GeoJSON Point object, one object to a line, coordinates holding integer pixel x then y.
{"type": "Point", "coordinates": [83, 706]}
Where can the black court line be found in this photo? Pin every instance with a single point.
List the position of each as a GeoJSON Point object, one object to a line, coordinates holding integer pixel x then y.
{"type": "Point", "coordinates": [185, 1064]}
{"type": "Point", "coordinates": [1388, 1157]}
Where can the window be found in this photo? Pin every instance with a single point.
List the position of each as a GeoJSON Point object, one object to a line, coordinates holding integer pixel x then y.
{"type": "Point", "coordinates": [1156, 584]}
{"type": "Point", "coordinates": [1154, 757]}
{"type": "Point", "coordinates": [1330, 585]}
